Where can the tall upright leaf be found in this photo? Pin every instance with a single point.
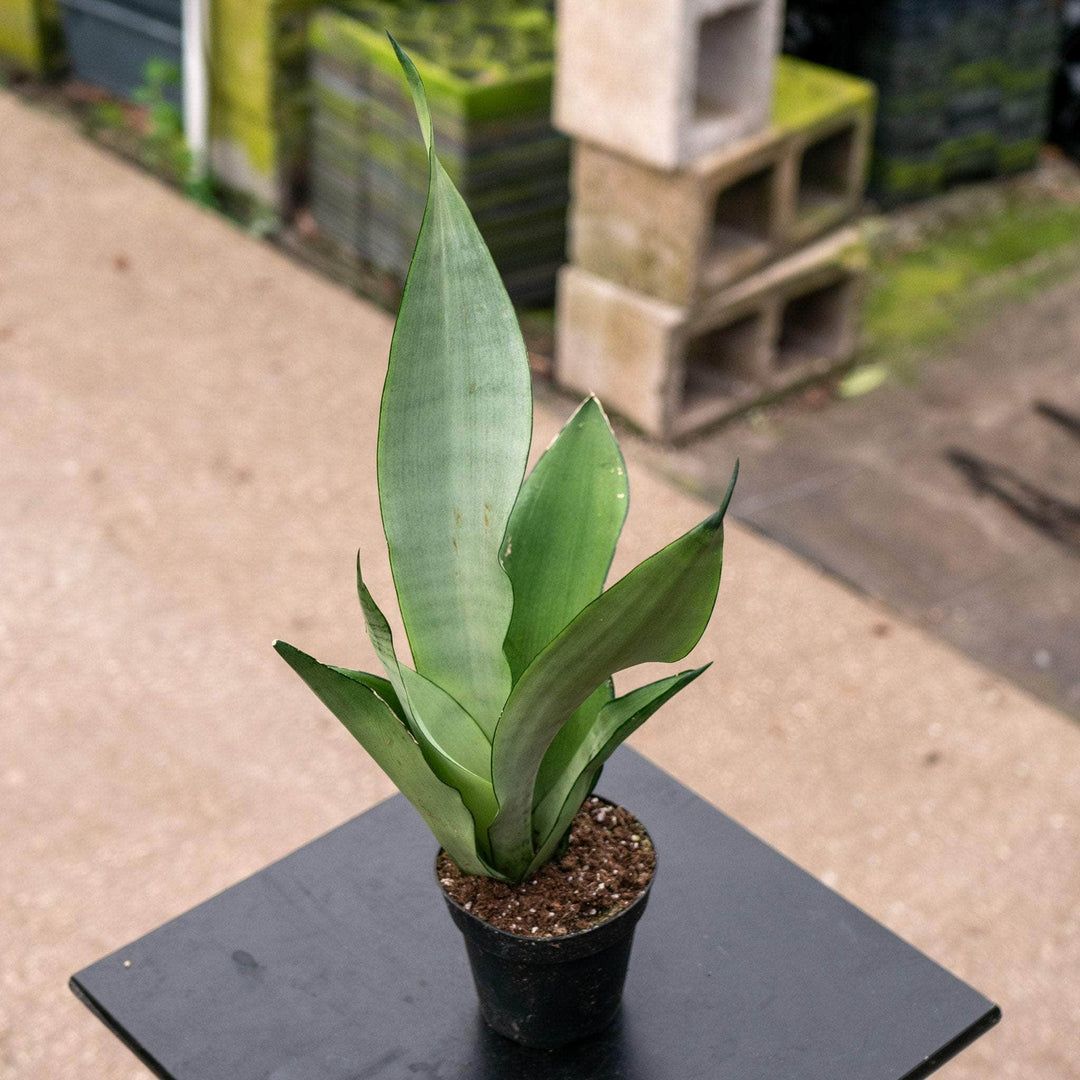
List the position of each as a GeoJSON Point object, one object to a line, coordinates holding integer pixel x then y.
{"type": "Point", "coordinates": [656, 613]}
{"type": "Point", "coordinates": [454, 434]}
{"type": "Point", "coordinates": [565, 744]}
{"type": "Point", "coordinates": [562, 532]}
{"type": "Point", "coordinates": [455, 747]}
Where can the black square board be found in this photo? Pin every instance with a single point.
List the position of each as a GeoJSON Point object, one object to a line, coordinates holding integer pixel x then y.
{"type": "Point", "coordinates": [340, 962]}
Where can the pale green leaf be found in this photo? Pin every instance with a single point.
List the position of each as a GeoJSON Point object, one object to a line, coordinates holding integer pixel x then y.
{"type": "Point", "coordinates": [562, 532]}
{"type": "Point", "coordinates": [382, 687]}
{"type": "Point", "coordinates": [373, 724]}
{"type": "Point", "coordinates": [454, 434]}
{"type": "Point", "coordinates": [863, 380]}
{"type": "Point", "coordinates": [579, 792]}
{"type": "Point", "coordinates": [614, 723]}
{"type": "Point", "coordinates": [454, 745]}
{"type": "Point", "coordinates": [656, 613]}
{"type": "Point", "coordinates": [565, 744]}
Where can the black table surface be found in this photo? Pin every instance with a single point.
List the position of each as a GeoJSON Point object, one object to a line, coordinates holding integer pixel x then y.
{"type": "Point", "coordinates": [340, 962]}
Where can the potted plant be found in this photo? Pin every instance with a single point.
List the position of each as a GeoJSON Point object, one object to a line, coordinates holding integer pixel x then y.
{"type": "Point", "coordinates": [499, 730]}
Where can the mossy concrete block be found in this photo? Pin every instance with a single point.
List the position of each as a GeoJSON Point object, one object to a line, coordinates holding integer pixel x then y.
{"type": "Point", "coordinates": [681, 235]}
{"type": "Point", "coordinates": [258, 104]}
{"type": "Point", "coordinates": [673, 370]}
{"type": "Point", "coordinates": [29, 31]}
{"type": "Point", "coordinates": [665, 81]}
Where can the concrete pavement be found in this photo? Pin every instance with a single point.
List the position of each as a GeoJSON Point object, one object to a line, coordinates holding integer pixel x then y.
{"type": "Point", "coordinates": [187, 435]}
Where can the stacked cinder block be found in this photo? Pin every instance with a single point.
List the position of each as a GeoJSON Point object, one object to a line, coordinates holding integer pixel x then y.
{"type": "Point", "coordinates": [713, 263]}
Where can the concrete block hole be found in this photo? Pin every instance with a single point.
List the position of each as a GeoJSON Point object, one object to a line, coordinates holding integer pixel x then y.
{"type": "Point", "coordinates": [816, 325]}
{"type": "Point", "coordinates": [825, 172]}
{"type": "Point", "coordinates": [719, 362]}
{"type": "Point", "coordinates": [727, 55]}
{"type": "Point", "coordinates": [742, 215]}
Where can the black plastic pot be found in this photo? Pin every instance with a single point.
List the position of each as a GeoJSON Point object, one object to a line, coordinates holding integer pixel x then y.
{"type": "Point", "coordinates": [548, 992]}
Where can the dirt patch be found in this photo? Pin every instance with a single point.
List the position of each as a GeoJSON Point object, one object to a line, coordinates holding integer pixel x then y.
{"type": "Point", "coordinates": [608, 863]}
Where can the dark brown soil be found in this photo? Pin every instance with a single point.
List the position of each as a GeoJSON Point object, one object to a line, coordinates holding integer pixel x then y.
{"type": "Point", "coordinates": [608, 863]}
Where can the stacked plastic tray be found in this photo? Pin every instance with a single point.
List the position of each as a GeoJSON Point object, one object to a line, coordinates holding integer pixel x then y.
{"type": "Point", "coordinates": [964, 84]}
{"type": "Point", "coordinates": [493, 136]}
{"type": "Point", "coordinates": [1066, 112]}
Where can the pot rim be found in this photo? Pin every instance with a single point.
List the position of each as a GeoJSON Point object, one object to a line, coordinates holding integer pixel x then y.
{"type": "Point", "coordinates": [508, 937]}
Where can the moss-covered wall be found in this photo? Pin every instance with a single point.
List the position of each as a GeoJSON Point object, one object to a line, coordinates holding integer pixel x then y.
{"type": "Point", "coordinates": [258, 76]}
{"type": "Point", "coordinates": [257, 92]}
{"type": "Point", "coordinates": [28, 35]}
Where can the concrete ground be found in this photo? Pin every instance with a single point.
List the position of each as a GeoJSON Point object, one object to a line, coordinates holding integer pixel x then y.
{"type": "Point", "coordinates": [955, 499]}
{"type": "Point", "coordinates": [187, 433]}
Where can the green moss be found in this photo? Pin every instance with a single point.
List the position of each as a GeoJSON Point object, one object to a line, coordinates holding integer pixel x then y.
{"type": "Point", "coordinates": [977, 74]}
{"type": "Point", "coordinates": [21, 35]}
{"type": "Point", "coordinates": [918, 299]}
{"type": "Point", "coordinates": [1016, 82]}
{"type": "Point", "coordinates": [257, 51]}
{"type": "Point", "coordinates": [806, 93]}
{"type": "Point", "coordinates": [1015, 157]}
{"type": "Point", "coordinates": [480, 41]}
{"type": "Point", "coordinates": [451, 96]}
{"type": "Point", "coordinates": [907, 175]}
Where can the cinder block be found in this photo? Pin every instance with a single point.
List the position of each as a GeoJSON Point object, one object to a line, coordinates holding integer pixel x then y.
{"type": "Point", "coordinates": [665, 81]}
{"type": "Point", "coordinates": [673, 370]}
{"type": "Point", "coordinates": [680, 235]}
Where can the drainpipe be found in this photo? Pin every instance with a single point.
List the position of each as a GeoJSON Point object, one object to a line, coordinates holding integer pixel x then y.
{"type": "Point", "coordinates": [196, 68]}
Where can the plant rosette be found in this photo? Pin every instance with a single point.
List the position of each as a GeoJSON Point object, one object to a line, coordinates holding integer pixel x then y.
{"type": "Point", "coordinates": [499, 730]}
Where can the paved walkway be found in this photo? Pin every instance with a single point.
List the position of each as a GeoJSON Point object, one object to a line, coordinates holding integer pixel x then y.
{"type": "Point", "coordinates": [187, 432]}
{"type": "Point", "coordinates": [954, 500]}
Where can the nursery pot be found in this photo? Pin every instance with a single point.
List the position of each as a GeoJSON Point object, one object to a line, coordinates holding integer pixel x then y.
{"type": "Point", "coordinates": [547, 992]}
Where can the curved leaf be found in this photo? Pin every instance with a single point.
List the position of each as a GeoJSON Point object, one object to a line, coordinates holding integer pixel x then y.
{"type": "Point", "coordinates": [455, 747]}
{"type": "Point", "coordinates": [615, 723]}
{"type": "Point", "coordinates": [563, 746]}
{"type": "Point", "coordinates": [656, 613]}
{"type": "Point", "coordinates": [382, 688]}
{"type": "Point", "coordinates": [382, 641]}
{"type": "Point", "coordinates": [562, 532]}
{"type": "Point", "coordinates": [580, 791]}
{"type": "Point", "coordinates": [372, 723]}
{"type": "Point", "coordinates": [454, 434]}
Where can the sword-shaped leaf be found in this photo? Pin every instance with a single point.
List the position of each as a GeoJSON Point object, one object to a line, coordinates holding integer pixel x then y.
{"type": "Point", "coordinates": [383, 688]}
{"type": "Point", "coordinates": [562, 532]}
{"type": "Point", "coordinates": [567, 741]}
{"type": "Point", "coordinates": [454, 746]}
{"type": "Point", "coordinates": [372, 723]}
{"type": "Point", "coordinates": [656, 613]}
{"type": "Point", "coordinates": [454, 433]}
{"type": "Point", "coordinates": [615, 723]}
{"type": "Point", "coordinates": [579, 792]}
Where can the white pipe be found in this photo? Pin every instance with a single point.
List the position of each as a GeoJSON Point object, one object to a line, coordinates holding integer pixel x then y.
{"type": "Point", "coordinates": [196, 80]}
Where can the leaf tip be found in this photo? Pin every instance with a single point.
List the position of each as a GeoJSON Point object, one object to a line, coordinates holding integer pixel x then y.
{"type": "Point", "coordinates": [416, 87]}
{"type": "Point", "coordinates": [719, 515]}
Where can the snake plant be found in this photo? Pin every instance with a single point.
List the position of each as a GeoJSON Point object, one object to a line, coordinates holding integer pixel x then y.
{"type": "Point", "coordinates": [499, 729]}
